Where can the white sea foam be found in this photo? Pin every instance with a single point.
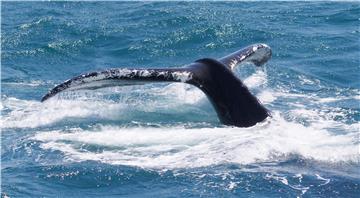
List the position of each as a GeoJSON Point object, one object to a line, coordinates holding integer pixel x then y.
{"type": "Point", "coordinates": [339, 98]}
{"type": "Point", "coordinates": [266, 96]}
{"type": "Point", "coordinates": [25, 113]}
{"type": "Point", "coordinates": [182, 148]}
{"type": "Point", "coordinates": [174, 97]}
{"type": "Point", "coordinates": [257, 79]}
{"type": "Point", "coordinates": [179, 147]}
{"type": "Point", "coordinates": [33, 83]}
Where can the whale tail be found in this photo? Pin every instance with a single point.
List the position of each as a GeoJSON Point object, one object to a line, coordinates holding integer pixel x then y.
{"type": "Point", "coordinates": [233, 102]}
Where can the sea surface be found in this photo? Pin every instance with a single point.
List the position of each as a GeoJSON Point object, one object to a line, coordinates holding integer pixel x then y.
{"type": "Point", "coordinates": [165, 140]}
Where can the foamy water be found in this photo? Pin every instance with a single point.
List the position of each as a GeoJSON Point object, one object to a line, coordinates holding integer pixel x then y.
{"type": "Point", "coordinates": [187, 148]}
{"type": "Point", "coordinates": [179, 146]}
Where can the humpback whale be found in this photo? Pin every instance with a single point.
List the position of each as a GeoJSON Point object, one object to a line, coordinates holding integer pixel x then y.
{"type": "Point", "coordinates": [231, 99]}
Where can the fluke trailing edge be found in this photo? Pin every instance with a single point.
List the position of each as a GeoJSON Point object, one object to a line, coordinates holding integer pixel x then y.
{"type": "Point", "coordinates": [232, 100]}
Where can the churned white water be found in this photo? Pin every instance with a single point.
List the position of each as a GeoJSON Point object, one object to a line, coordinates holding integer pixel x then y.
{"type": "Point", "coordinates": [179, 146]}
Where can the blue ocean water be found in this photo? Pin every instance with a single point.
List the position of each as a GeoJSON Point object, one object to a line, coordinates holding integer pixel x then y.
{"type": "Point", "coordinates": [165, 140]}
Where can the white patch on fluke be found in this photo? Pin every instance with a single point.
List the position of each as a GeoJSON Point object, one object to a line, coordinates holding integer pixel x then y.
{"type": "Point", "coordinates": [145, 73]}
{"type": "Point", "coordinates": [182, 76]}
{"type": "Point", "coordinates": [233, 63]}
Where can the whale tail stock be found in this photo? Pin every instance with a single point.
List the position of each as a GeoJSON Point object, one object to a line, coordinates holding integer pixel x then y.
{"type": "Point", "coordinates": [232, 100]}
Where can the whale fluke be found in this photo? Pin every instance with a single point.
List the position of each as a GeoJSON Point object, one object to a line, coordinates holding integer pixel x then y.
{"type": "Point", "coordinates": [232, 100]}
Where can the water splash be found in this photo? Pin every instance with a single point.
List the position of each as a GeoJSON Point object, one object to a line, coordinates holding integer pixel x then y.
{"type": "Point", "coordinates": [178, 147]}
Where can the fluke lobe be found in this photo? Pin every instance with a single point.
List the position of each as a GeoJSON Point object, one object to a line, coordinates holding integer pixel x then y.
{"type": "Point", "coordinates": [232, 100]}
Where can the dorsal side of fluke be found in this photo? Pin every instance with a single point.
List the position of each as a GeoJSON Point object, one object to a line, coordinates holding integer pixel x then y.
{"type": "Point", "coordinates": [232, 100]}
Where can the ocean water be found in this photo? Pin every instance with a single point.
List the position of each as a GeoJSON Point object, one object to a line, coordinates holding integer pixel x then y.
{"type": "Point", "coordinates": [165, 140]}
